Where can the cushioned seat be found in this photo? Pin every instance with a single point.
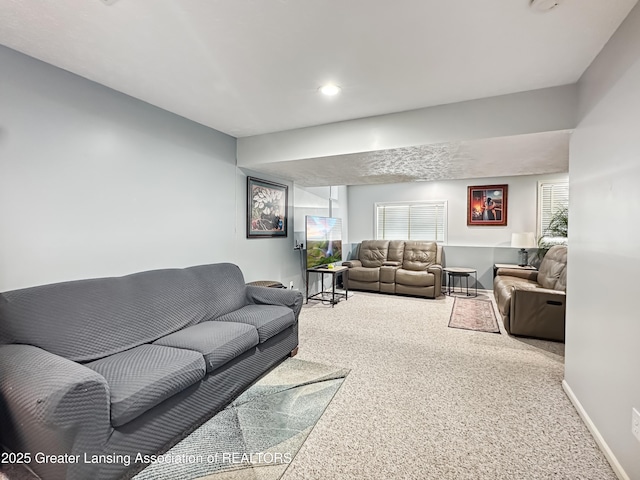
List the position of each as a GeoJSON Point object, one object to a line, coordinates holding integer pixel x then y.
{"type": "Point", "coordinates": [80, 373]}
{"type": "Point", "coordinates": [532, 303]}
{"type": "Point", "coordinates": [141, 378]}
{"type": "Point", "coordinates": [414, 279]}
{"type": "Point", "coordinates": [406, 267]}
{"type": "Point", "coordinates": [269, 320]}
{"type": "Point", "coordinates": [218, 342]}
{"type": "Point", "coordinates": [364, 274]}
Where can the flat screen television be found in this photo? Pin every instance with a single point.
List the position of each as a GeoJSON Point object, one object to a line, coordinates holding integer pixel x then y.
{"type": "Point", "coordinates": [323, 237]}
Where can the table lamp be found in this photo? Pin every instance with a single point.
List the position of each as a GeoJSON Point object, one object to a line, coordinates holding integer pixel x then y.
{"type": "Point", "coordinates": [522, 241]}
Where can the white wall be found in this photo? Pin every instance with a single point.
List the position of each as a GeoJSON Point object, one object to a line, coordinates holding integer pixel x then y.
{"type": "Point", "coordinates": [603, 323]}
{"type": "Point", "coordinates": [324, 202]}
{"type": "Point", "coordinates": [522, 202]}
{"type": "Point", "coordinates": [95, 183]}
{"type": "Point", "coordinates": [528, 112]}
{"type": "Point", "coordinates": [266, 258]}
{"type": "Point", "coordinates": [478, 247]}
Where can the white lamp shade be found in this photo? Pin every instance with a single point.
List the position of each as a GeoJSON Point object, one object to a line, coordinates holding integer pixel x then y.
{"type": "Point", "coordinates": [523, 240]}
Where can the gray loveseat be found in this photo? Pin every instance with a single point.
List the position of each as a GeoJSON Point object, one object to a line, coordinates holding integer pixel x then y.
{"type": "Point", "coordinates": [128, 365]}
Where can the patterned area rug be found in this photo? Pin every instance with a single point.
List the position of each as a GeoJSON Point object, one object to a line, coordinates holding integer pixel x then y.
{"type": "Point", "coordinates": [473, 314]}
{"type": "Point", "coordinates": [257, 436]}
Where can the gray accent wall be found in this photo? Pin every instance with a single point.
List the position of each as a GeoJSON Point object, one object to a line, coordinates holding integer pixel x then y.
{"type": "Point", "coordinates": [603, 323]}
{"type": "Point", "coordinates": [95, 183]}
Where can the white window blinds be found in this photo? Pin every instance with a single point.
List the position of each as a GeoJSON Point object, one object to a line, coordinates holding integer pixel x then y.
{"type": "Point", "coordinates": [411, 221]}
{"type": "Point", "coordinates": [552, 196]}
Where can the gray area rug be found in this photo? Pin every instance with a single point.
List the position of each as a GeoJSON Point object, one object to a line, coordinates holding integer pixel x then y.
{"type": "Point", "coordinates": [257, 436]}
{"type": "Point", "coordinates": [473, 314]}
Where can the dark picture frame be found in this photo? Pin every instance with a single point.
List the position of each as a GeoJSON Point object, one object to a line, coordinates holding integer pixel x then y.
{"type": "Point", "coordinates": [487, 205]}
{"type": "Point", "coordinates": [267, 204]}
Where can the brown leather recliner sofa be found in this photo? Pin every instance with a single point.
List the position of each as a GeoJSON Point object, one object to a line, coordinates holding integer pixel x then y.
{"type": "Point", "coordinates": [532, 303]}
{"type": "Point", "coordinates": [397, 266]}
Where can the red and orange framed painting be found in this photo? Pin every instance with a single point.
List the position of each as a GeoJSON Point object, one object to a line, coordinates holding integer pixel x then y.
{"type": "Point", "coordinates": [487, 205]}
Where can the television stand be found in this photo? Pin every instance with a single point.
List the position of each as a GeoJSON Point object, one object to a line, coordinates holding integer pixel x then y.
{"type": "Point", "coordinates": [334, 297]}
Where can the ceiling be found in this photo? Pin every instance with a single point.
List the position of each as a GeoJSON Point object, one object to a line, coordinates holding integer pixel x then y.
{"type": "Point", "coordinates": [539, 153]}
{"type": "Point", "coordinates": [248, 67]}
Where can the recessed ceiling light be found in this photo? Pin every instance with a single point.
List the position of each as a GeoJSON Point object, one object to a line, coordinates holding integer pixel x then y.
{"type": "Point", "coordinates": [330, 89]}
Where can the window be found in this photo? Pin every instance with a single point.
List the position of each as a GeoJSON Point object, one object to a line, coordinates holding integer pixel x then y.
{"type": "Point", "coordinates": [412, 221]}
{"type": "Point", "coordinates": [551, 197]}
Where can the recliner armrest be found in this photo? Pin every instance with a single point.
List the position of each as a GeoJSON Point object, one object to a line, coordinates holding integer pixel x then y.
{"type": "Point", "coordinates": [52, 405]}
{"type": "Point", "coordinates": [436, 269]}
{"type": "Point", "coordinates": [516, 272]}
{"type": "Point", "coordinates": [275, 296]}
{"type": "Point", "coordinates": [352, 263]}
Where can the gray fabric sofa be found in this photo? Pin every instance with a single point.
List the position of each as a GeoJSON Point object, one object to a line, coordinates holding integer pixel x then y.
{"type": "Point", "coordinates": [532, 303]}
{"type": "Point", "coordinates": [128, 365]}
{"type": "Point", "coordinates": [397, 266]}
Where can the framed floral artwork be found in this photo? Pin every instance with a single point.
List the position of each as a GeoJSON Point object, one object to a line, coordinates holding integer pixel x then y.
{"type": "Point", "coordinates": [487, 205]}
{"type": "Point", "coordinates": [266, 208]}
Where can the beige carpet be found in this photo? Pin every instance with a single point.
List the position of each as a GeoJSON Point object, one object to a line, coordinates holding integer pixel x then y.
{"type": "Point", "coordinates": [423, 401]}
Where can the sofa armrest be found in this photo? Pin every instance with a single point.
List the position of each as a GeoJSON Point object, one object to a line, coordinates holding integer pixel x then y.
{"type": "Point", "coordinates": [538, 312]}
{"type": "Point", "coordinates": [52, 405]}
{"type": "Point", "coordinates": [516, 272]}
{"type": "Point", "coordinates": [352, 263]}
{"type": "Point", "coordinates": [275, 296]}
{"type": "Point", "coordinates": [389, 263]}
{"type": "Point", "coordinates": [436, 269]}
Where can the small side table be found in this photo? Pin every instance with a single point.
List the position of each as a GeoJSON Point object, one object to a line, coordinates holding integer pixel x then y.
{"type": "Point", "coordinates": [460, 273]}
{"type": "Point", "coordinates": [335, 297]}
{"type": "Point", "coordinates": [496, 266]}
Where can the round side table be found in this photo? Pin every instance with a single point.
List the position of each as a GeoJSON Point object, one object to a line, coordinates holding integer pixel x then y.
{"type": "Point", "coordinates": [460, 273]}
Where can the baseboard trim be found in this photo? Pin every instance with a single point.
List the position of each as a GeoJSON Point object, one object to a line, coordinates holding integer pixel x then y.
{"type": "Point", "coordinates": [611, 458]}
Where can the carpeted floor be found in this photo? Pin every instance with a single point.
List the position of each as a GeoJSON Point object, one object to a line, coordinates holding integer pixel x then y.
{"type": "Point", "coordinates": [423, 401]}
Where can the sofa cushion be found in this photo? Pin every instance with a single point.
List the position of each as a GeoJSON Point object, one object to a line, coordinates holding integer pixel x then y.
{"type": "Point", "coordinates": [414, 278]}
{"type": "Point", "coordinates": [144, 376]}
{"type": "Point", "coordinates": [396, 251]}
{"type": "Point", "coordinates": [552, 271]}
{"type": "Point", "coordinates": [373, 253]}
{"type": "Point", "coordinates": [218, 342]}
{"type": "Point", "coordinates": [364, 274]}
{"type": "Point", "coordinates": [418, 256]}
{"type": "Point", "coordinates": [85, 320]}
{"type": "Point", "coordinates": [268, 319]}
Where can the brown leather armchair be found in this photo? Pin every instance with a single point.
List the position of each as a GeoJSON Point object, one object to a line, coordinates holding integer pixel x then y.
{"type": "Point", "coordinates": [532, 303]}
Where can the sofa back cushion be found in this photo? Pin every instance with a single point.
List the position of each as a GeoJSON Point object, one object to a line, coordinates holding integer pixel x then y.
{"type": "Point", "coordinates": [419, 256]}
{"type": "Point", "coordinates": [552, 273]}
{"type": "Point", "coordinates": [373, 253]}
{"type": "Point", "coordinates": [396, 251]}
{"type": "Point", "coordinates": [85, 320]}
